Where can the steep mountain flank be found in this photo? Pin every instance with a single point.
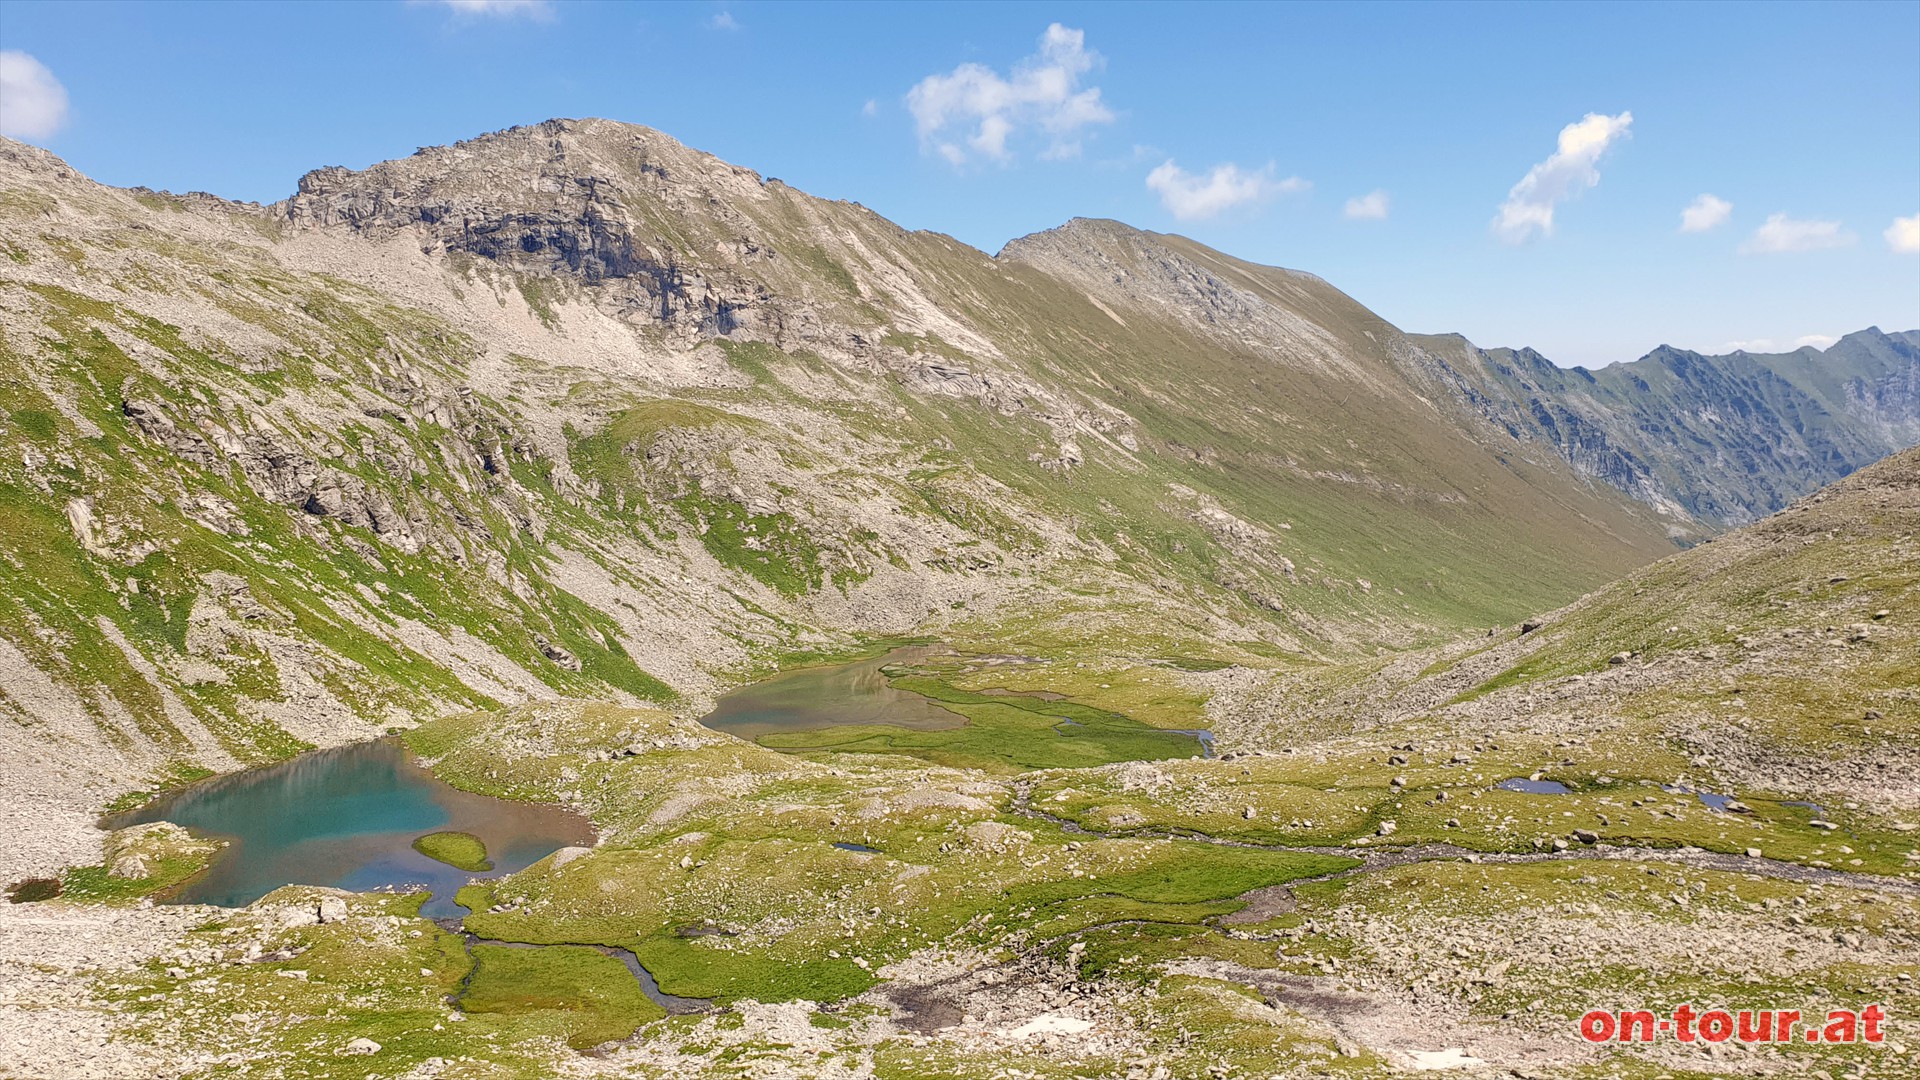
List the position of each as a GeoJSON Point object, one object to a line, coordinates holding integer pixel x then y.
{"type": "Point", "coordinates": [1720, 439]}
{"type": "Point", "coordinates": [572, 410]}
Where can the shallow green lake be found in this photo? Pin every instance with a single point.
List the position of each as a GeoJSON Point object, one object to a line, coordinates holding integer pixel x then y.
{"type": "Point", "coordinates": [347, 817]}
{"type": "Point", "coordinates": [808, 698]}
{"type": "Point", "coordinates": [860, 708]}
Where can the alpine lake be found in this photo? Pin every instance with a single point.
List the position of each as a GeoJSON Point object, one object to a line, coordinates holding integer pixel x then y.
{"type": "Point", "coordinates": [355, 817]}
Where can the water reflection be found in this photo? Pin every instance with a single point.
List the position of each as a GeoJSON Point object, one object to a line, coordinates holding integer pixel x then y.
{"type": "Point", "coordinates": [347, 817]}
{"type": "Point", "coordinates": [817, 697]}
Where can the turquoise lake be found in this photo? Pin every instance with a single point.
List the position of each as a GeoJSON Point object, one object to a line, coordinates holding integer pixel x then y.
{"type": "Point", "coordinates": [347, 817]}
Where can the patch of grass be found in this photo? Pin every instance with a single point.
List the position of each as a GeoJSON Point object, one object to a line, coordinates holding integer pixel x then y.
{"type": "Point", "coordinates": [36, 423]}
{"type": "Point", "coordinates": [95, 883]}
{"type": "Point", "coordinates": [703, 968]}
{"type": "Point", "coordinates": [176, 774]}
{"type": "Point", "coordinates": [463, 851]}
{"type": "Point", "coordinates": [825, 265]}
{"type": "Point", "coordinates": [1193, 873]}
{"type": "Point", "coordinates": [771, 548]}
{"type": "Point", "coordinates": [474, 897]}
{"type": "Point", "coordinates": [539, 295]}
{"type": "Point", "coordinates": [588, 996]}
{"type": "Point", "coordinates": [34, 889]}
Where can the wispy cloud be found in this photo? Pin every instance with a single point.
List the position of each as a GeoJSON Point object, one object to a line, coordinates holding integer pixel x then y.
{"type": "Point", "coordinates": [724, 20]}
{"type": "Point", "coordinates": [1189, 196]}
{"type": "Point", "coordinates": [1783, 234]}
{"type": "Point", "coordinates": [973, 112]}
{"type": "Point", "coordinates": [1903, 235]}
{"type": "Point", "coordinates": [502, 9]}
{"type": "Point", "coordinates": [1769, 345]}
{"type": "Point", "coordinates": [1369, 207]}
{"type": "Point", "coordinates": [33, 104]}
{"type": "Point", "coordinates": [1528, 211]}
{"type": "Point", "coordinates": [1705, 213]}
{"type": "Point", "coordinates": [871, 108]}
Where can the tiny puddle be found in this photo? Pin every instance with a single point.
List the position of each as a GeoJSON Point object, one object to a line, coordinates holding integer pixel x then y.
{"type": "Point", "coordinates": [1204, 735]}
{"type": "Point", "coordinates": [347, 818]}
{"type": "Point", "coordinates": [844, 846]}
{"type": "Point", "coordinates": [1534, 787]}
{"type": "Point", "coordinates": [1713, 800]}
{"type": "Point", "coordinates": [1819, 812]}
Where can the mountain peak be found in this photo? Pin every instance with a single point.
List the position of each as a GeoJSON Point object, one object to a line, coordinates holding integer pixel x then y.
{"type": "Point", "coordinates": [551, 157]}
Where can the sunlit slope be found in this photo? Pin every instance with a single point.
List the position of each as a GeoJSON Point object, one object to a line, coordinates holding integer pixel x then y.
{"type": "Point", "coordinates": [1781, 659]}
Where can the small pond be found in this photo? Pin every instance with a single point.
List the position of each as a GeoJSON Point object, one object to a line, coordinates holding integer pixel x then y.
{"type": "Point", "coordinates": [1534, 787]}
{"type": "Point", "coordinates": [347, 817]}
{"type": "Point", "coordinates": [881, 705]}
{"type": "Point", "coordinates": [817, 697]}
{"type": "Point", "coordinates": [1712, 800]}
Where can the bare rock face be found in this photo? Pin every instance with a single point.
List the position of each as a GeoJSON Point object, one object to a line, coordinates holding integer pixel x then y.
{"type": "Point", "coordinates": [129, 865]}
{"type": "Point", "coordinates": [556, 654]}
{"type": "Point", "coordinates": [566, 198]}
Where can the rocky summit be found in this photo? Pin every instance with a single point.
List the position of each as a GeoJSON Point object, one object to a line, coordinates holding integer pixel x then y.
{"type": "Point", "coordinates": [528, 449]}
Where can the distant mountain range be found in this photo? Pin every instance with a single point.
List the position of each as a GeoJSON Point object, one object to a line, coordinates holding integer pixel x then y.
{"type": "Point", "coordinates": [1723, 439]}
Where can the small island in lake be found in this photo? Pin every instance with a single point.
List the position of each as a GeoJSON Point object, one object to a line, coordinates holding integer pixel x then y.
{"type": "Point", "coordinates": [463, 851]}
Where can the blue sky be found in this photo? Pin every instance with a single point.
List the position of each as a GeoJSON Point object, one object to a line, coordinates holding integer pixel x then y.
{"type": "Point", "coordinates": [1532, 162]}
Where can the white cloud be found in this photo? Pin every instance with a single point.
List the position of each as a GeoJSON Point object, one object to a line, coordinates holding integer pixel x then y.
{"type": "Point", "coordinates": [1704, 213]}
{"type": "Point", "coordinates": [1903, 235]}
{"type": "Point", "coordinates": [1189, 196]}
{"type": "Point", "coordinates": [1769, 345]}
{"type": "Point", "coordinates": [974, 112]}
{"type": "Point", "coordinates": [1782, 233]}
{"type": "Point", "coordinates": [504, 9]}
{"type": "Point", "coordinates": [33, 104]}
{"type": "Point", "coordinates": [724, 21]}
{"type": "Point", "coordinates": [871, 108]}
{"type": "Point", "coordinates": [1528, 210]}
{"type": "Point", "coordinates": [1369, 207]}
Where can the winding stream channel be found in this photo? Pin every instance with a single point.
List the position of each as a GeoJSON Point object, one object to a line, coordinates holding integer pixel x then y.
{"type": "Point", "coordinates": [1371, 859]}
{"type": "Point", "coordinates": [674, 1004]}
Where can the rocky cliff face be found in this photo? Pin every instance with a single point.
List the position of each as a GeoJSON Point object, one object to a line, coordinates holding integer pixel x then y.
{"type": "Point", "coordinates": [574, 411]}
